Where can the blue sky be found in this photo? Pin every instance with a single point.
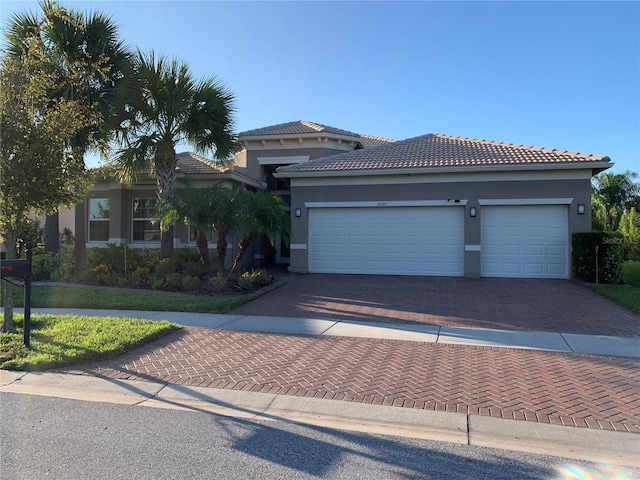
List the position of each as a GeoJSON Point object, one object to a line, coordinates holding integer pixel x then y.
{"type": "Point", "coordinates": [562, 75]}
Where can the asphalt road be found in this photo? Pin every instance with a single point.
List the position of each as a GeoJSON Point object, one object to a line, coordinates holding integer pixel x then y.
{"type": "Point", "coordinates": [47, 437]}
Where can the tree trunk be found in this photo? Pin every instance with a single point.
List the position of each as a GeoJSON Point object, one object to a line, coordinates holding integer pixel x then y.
{"type": "Point", "coordinates": [166, 181]}
{"type": "Point", "coordinates": [10, 245]}
{"type": "Point", "coordinates": [203, 248]}
{"type": "Point", "coordinates": [243, 246]}
{"type": "Point", "coordinates": [52, 233]}
{"type": "Point", "coordinates": [221, 248]}
{"type": "Point", "coordinates": [166, 243]}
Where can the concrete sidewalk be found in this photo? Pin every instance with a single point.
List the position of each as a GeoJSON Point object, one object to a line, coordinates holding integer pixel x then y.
{"type": "Point", "coordinates": [529, 340]}
{"type": "Point", "coordinates": [603, 446]}
{"type": "Point", "coordinates": [479, 384]}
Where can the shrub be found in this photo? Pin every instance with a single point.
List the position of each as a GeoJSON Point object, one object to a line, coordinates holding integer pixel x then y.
{"type": "Point", "coordinates": [112, 255]}
{"type": "Point", "coordinates": [610, 256]}
{"type": "Point", "coordinates": [174, 280]}
{"type": "Point", "coordinates": [190, 283]}
{"type": "Point", "coordinates": [187, 261]}
{"type": "Point", "coordinates": [42, 265]}
{"type": "Point", "coordinates": [252, 279]}
{"type": "Point", "coordinates": [141, 277]}
{"type": "Point", "coordinates": [64, 264]}
{"type": "Point", "coordinates": [217, 283]}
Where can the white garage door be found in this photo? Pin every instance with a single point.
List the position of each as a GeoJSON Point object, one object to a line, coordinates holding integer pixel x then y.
{"type": "Point", "coordinates": [393, 241]}
{"type": "Point", "coordinates": [525, 241]}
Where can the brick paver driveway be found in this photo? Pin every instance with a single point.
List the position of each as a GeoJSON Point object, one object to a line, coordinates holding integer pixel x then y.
{"type": "Point", "coordinates": [587, 391]}
{"type": "Point", "coordinates": [512, 304]}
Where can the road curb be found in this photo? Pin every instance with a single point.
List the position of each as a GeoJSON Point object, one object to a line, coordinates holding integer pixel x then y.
{"type": "Point", "coordinates": [620, 448]}
{"type": "Point", "coordinates": [603, 446]}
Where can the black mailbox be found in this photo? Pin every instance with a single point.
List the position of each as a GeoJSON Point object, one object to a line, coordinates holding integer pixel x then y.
{"type": "Point", "coordinates": [21, 268]}
{"type": "Point", "coordinates": [14, 268]}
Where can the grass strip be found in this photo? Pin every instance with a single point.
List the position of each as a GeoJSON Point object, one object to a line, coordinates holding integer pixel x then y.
{"type": "Point", "coordinates": [60, 296]}
{"type": "Point", "coordinates": [627, 295]}
{"type": "Point", "coordinates": [64, 340]}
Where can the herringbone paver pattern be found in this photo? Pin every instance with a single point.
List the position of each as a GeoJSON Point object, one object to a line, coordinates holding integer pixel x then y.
{"type": "Point", "coordinates": [498, 303]}
{"type": "Point", "coordinates": [568, 389]}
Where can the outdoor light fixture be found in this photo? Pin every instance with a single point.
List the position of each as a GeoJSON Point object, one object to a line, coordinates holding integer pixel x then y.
{"type": "Point", "coordinates": [472, 212]}
{"type": "Point", "coordinates": [298, 212]}
{"type": "Point", "coordinates": [581, 208]}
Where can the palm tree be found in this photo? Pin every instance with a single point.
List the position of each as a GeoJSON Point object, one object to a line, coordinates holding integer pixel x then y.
{"type": "Point", "coordinates": [260, 213]}
{"type": "Point", "coordinates": [172, 107]}
{"type": "Point", "coordinates": [93, 66]}
{"type": "Point", "coordinates": [612, 195]}
{"type": "Point", "coordinates": [205, 209]}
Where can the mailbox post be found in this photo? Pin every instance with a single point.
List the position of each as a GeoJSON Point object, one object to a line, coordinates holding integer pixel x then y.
{"type": "Point", "coordinates": [21, 269]}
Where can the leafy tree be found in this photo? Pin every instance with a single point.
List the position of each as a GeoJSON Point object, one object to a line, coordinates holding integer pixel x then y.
{"type": "Point", "coordinates": [196, 207]}
{"type": "Point", "coordinates": [629, 227]}
{"type": "Point", "coordinates": [38, 171]}
{"type": "Point", "coordinates": [92, 65]}
{"type": "Point", "coordinates": [172, 107]}
{"type": "Point", "coordinates": [612, 195]}
{"type": "Point", "coordinates": [259, 213]}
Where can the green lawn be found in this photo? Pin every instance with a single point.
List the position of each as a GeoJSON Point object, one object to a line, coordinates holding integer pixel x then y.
{"type": "Point", "coordinates": [44, 296]}
{"type": "Point", "coordinates": [627, 295]}
{"type": "Point", "coordinates": [63, 340]}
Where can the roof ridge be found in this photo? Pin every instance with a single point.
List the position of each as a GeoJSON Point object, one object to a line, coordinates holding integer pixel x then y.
{"type": "Point", "coordinates": [517, 145]}
{"type": "Point", "coordinates": [203, 160]}
{"type": "Point", "coordinates": [386, 139]}
{"type": "Point", "coordinates": [315, 126]}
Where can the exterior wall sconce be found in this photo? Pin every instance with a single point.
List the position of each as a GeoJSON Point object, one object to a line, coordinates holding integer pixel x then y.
{"type": "Point", "coordinates": [298, 212]}
{"type": "Point", "coordinates": [581, 209]}
{"type": "Point", "coordinates": [472, 212]}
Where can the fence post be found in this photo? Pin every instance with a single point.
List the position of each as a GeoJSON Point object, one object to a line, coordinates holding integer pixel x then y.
{"type": "Point", "coordinates": [27, 296]}
{"type": "Point", "coordinates": [597, 248]}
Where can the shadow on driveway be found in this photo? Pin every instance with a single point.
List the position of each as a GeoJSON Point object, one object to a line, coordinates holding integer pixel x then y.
{"type": "Point", "coordinates": [513, 304]}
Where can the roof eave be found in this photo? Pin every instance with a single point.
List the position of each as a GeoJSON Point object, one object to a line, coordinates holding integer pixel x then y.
{"type": "Point", "coordinates": [596, 167]}
{"type": "Point", "coordinates": [296, 136]}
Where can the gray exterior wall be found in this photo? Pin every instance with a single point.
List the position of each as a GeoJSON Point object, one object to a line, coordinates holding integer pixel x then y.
{"type": "Point", "coordinates": [246, 162]}
{"type": "Point", "coordinates": [120, 221]}
{"type": "Point", "coordinates": [576, 189]}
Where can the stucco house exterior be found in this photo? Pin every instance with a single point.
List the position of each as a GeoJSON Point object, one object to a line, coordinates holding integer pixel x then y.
{"type": "Point", "coordinates": [431, 205]}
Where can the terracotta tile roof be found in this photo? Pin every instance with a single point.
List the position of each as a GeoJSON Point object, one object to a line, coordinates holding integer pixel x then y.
{"type": "Point", "coordinates": [437, 150]}
{"type": "Point", "coordinates": [295, 128]}
{"type": "Point", "coordinates": [191, 164]}
{"type": "Point", "coordinates": [303, 127]}
{"type": "Point", "coordinates": [369, 141]}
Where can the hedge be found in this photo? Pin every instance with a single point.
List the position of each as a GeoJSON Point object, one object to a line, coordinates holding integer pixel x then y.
{"type": "Point", "coordinates": [610, 256]}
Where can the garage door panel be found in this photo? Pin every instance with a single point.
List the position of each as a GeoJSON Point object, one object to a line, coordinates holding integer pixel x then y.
{"type": "Point", "coordinates": [534, 269]}
{"type": "Point", "coordinates": [556, 250]}
{"type": "Point", "coordinates": [394, 241]}
{"type": "Point", "coordinates": [525, 241]}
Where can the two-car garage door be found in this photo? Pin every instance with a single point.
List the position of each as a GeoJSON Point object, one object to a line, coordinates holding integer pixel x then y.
{"type": "Point", "coordinates": [519, 241]}
{"type": "Point", "coordinates": [414, 240]}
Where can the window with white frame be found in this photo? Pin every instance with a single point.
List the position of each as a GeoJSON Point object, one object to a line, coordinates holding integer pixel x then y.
{"type": "Point", "coordinates": [99, 219]}
{"type": "Point", "coordinates": [146, 220]}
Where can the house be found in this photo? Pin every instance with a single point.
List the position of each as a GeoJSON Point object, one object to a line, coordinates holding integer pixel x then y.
{"type": "Point", "coordinates": [430, 205]}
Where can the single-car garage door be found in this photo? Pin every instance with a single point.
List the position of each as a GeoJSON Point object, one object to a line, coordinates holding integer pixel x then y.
{"type": "Point", "coordinates": [392, 240]}
{"type": "Point", "coordinates": [525, 241]}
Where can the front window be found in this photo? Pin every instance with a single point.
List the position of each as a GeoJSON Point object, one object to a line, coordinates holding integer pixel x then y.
{"type": "Point", "coordinates": [146, 220]}
{"type": "Point", "coordinates": [99, 219]}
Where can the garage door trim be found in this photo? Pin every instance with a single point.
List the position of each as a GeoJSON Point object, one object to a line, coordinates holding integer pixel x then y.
{"type": "Point", "coordinates": [389, 203]}
{"type": "Point", "coordinates": [524, 201]}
